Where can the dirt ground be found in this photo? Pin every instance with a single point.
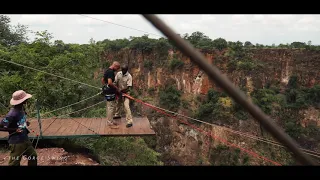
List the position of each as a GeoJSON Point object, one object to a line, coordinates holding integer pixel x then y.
{"type": "Point", "coordinates": [53, 157]}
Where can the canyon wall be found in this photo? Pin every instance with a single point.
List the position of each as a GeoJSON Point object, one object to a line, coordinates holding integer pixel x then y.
{"type": "Point", "coordinates": [185, 145]}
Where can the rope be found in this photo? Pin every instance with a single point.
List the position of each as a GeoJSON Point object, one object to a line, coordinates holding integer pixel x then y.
{"type": "Point", "coordinates": [50, 73]}
{"type": "Point", "coordinates": [3, 105]}
{"type": "Point", "coordinates": [239, 132]}
{"type": "Point", "coordinates": [73, 119]}
{"type": "Point", "coordinates": [121, 25]}
{"type": "Point", "coordinates": [70, 105]}
{"type": "Point", "coordinates": [82, 109]}
{"type": "Point", "coordinates": [206, 133]}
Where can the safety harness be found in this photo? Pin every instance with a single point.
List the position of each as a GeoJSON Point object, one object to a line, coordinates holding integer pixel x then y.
{"type": "Point", "coordinates": [108, 96]}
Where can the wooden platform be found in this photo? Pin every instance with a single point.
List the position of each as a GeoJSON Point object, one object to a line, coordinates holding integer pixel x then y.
{"type": "Point", "coordinates": [71, 128]}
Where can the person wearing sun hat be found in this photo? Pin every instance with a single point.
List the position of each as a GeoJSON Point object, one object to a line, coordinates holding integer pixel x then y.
{"type": "Point", "coordinates": [16, 124]}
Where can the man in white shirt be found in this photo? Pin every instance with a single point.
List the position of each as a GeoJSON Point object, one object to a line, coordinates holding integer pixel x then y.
{"type": "Point", "coordinates": [123, 81]}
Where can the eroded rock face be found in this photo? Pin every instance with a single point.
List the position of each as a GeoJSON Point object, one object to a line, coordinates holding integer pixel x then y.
{"type": "Point", "coordinates": [279, 65]}
{"type": "Point", "coordinates": [311, 116]}
{"type": "Point", "coordinates": [184, 144]}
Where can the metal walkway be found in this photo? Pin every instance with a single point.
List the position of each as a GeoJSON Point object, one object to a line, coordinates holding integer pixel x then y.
{"type": "Point", "coordinates": [84, 127]}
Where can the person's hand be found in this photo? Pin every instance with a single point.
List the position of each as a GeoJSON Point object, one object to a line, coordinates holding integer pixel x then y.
{"type": "Point", "coordinates": [28, 123]}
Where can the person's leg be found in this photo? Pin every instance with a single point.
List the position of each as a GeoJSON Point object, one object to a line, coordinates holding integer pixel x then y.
{"type": "Point", "coordinates": [128, 112]}
{"type": "Point", "coordinates": [16, 153]}
{"type": "Point", "coordinates": [110, 110]}
{"type": "Point", "coordinates": [31, 154]}
{"type": "Point", "coordinates": [117, 109]}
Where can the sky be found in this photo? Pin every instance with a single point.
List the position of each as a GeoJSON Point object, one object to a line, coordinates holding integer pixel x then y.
{"type": "Point", "coordinates": [256, 28]}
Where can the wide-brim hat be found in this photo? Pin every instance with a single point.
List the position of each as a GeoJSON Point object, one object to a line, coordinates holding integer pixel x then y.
{"type": "Point", "coordinates": [19, 96]}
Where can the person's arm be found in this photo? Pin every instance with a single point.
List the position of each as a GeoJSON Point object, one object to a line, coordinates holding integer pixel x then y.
{"type": "Point", "coordinates": [116, 79]}
{"type": "Point", "coordinates": [6, 123]}
{"type": "Point", "coordinates": [110, 84]}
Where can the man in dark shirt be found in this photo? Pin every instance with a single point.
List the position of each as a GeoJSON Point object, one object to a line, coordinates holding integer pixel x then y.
{"type": "Point", "coordinates": [110, 92]}
{"type": "Point", "coordinates": [16, 124]}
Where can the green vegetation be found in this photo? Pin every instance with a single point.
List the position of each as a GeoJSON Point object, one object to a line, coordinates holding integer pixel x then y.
{"type": "Point", "coordinates": [127, 151]}
{"type": "Point", "coordinates": [148, 64]}
{"type": "Point", "coordinates": [215, 108]}
{"type": "Point", "coordinates": [240, 59]}
{"type": "Point", "coordinates": [151, 91]}
{"type": "Point", "coordinates": [170, 98]}
{"type": "Point", "coordinates": [224, 156]}
{"type": "Point", "coordinates": [176, 64]}
{"type": "Point", "coordinates": [301, 97]}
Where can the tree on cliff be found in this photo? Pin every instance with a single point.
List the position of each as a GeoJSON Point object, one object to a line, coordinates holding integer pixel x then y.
{"type": "Point", "coordinates": [248, 44]}
{"type": "Point", "coordinates": [9, 35]}
{"type": "Point", "coordinates": [220, 43]}
{"type": "Point", "coordinates": [199, 40]}
{"type": "Point", "coordinates": [298, 44]}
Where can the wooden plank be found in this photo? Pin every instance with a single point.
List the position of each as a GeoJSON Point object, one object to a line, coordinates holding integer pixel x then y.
{"type": "Point", "coordinates": [4, 134]}
{"type": "Point", "coordinates": [85, 122]}
{"type": "Point", "coordinates": [143, 126]}
{"type": "Point", "coordinates": [148, 127]}
{"type": "Point", "coordinates": [106, 127]}
{"type": "Point", "coordinates": [95, 125]}
{"type": "Point", "coordinates": [34, 128]}
{"type": "Point", "coordinates": [54, 127]}
{"type": "Point", "coordinates": [122, 124]}
{"type": "Point", "coordinates": [131, 129]}
{"type": "Point", "coordinates": [62, 128]}
{"type": "Point", "coordinates": [102, 125]}
{"type": "Point", "coordinates": [80, 127]}
{"type": "Point", "coordinates": [65, 127]}
{"type": "Point", "coordinates": [75, 126]}
{"type": "Point", "coordinates": [87, 125]}
{"type": "Point", "coordinates": [45, 123]}
{"type": "Point", "coordinates": [140, 126]}
{"type": "Point", "coordinates": [109, 130]}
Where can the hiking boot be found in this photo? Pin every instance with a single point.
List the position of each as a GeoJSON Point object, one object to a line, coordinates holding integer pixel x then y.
{"type": "Point", "coordinates": [129, 125]}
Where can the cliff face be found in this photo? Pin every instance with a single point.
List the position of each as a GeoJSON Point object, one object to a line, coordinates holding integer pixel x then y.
{"type": "Point", "coordinates": [282, 63]}
{"type": "Point", "coordinates": [278, 66]}
{"type": "Point", "coordinates": [187, 146]}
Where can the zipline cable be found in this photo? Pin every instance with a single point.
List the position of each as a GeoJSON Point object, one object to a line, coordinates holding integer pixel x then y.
{"type": "Point", "coordinates": [51, 74]}
{"type": "Point", "coordinates": [204, 132]}
{"type": "Point", "coordinates": [121, 25]}
{"type": "Point", "coordinates": [237, 132]}
{"type": "Point", "coordinates": [233, 91]}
